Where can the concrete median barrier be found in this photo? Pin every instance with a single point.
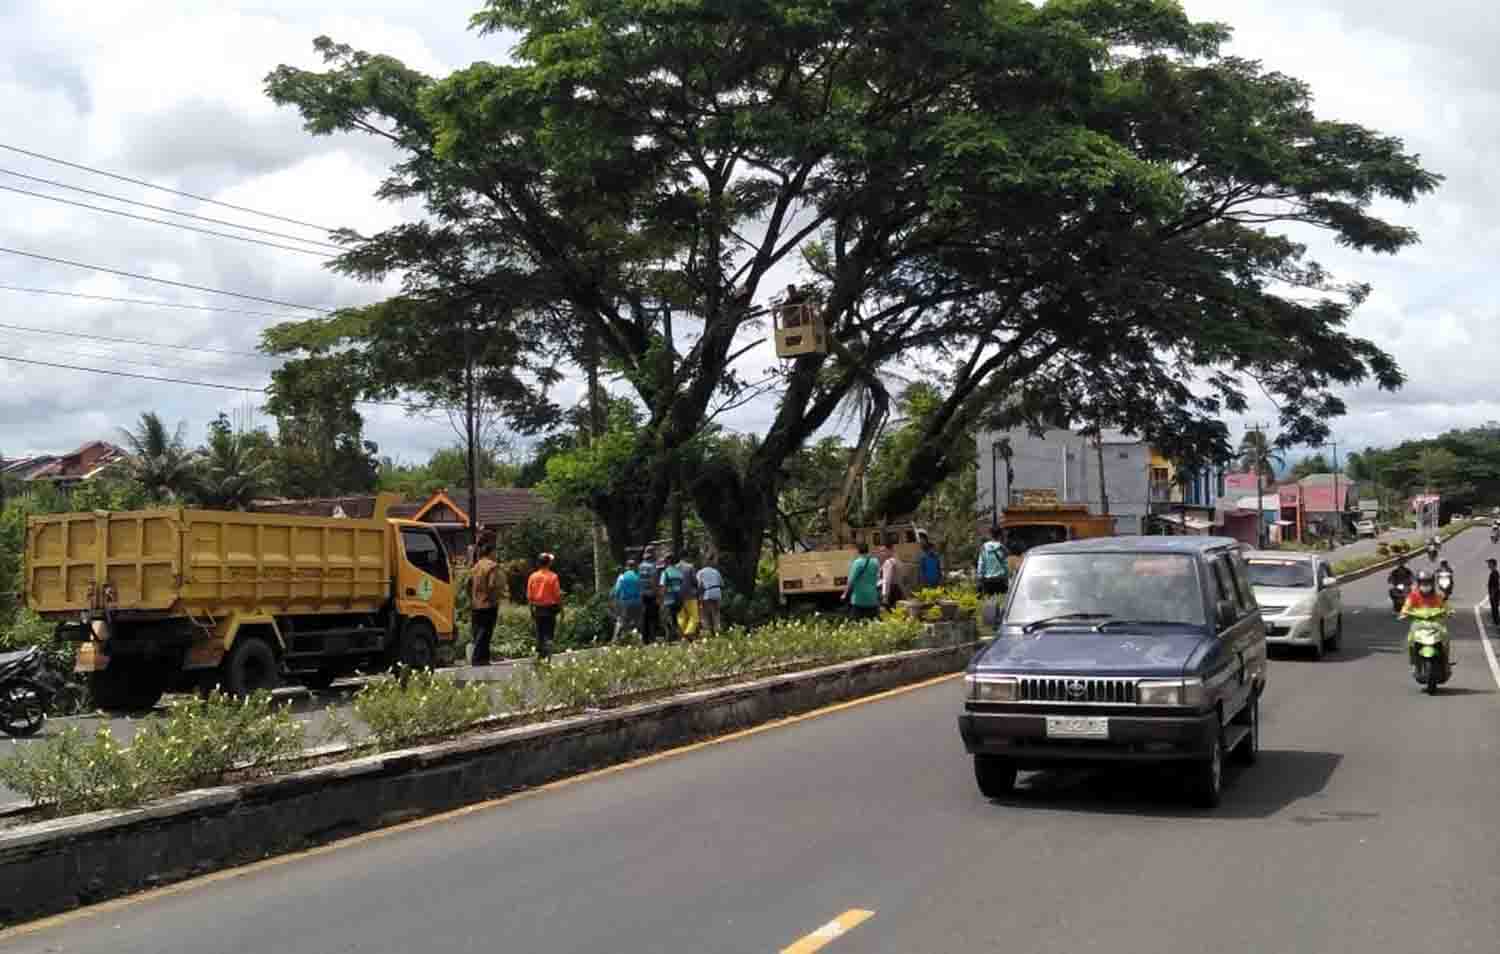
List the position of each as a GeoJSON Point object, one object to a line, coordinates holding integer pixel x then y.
{"type": "Point", "coordinates": [54, 865]}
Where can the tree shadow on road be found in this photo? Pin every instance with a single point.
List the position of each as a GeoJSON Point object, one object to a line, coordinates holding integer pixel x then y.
{"type": "Point", "coordinates": [1278, 779]}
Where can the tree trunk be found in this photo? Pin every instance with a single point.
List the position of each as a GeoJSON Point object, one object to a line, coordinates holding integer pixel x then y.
{"type": "Point", "coordinates": [471, 439]}
{"type": "Point", "coordinates": [596, 431]}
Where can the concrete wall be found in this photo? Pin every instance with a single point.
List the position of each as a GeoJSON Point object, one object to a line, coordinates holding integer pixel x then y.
{"type": "Point", "coordinates": [51, 866]}
{"type": "Point", "coordinates": [1067, 463]}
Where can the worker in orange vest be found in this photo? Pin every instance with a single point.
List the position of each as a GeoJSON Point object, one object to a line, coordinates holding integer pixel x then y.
{"type": "Point", "coordinates": [544, 594]}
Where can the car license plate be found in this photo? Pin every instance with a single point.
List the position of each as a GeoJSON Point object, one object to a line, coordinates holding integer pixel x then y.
{"type": "Point", "coordinates": [1077, 727]}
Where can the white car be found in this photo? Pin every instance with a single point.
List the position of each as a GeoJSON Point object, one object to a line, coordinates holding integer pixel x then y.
{"type": "Point", "coordinates": [1365, 528]}
{"type": "Point", "coordinates": [1299, 599]}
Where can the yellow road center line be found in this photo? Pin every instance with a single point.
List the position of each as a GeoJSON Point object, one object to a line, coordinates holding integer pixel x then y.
{"type": "Point", "coordinates": [182, 887]}
{"type": "Point", "coordinates": [829, 932]}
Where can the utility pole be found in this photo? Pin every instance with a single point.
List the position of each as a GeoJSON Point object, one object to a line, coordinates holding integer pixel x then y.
{"type": "Point", "coordinates": [1258, 462]}
{"type": "Point", "coordinates": [471, 436]}
{"type": "Point", "coordinates": [1103, 492]}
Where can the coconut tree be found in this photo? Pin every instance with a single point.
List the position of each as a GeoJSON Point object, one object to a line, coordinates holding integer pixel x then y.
{"type": "Point", "coordinates": [1262, 458]}
{"type": "Point", "coordinates": [159, 460]}
{"type": "Point", "coordinates": [234, 468]}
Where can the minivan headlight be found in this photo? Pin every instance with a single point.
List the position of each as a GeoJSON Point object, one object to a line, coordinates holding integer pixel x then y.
{"type": "Point", "coordinates": [990, 688]}
{"type": "Point", "coordinates": [1169, 692]}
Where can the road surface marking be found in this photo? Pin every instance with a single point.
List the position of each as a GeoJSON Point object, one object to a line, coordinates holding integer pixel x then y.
{"type": "Point", "coordinates": [182, 887]}
{"type": "Point", "coordinates": [829, 932]}
{"type": "Point", "coordinates": [1484, 640]}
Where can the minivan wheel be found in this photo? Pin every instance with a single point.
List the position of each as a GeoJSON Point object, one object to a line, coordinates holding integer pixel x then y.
{"type": "Point", "coordinates": [1320, 642]}
{"type": "Point", "coordinates": [1208, 776]}
{"type": "Point", "coordinates": [995, 775]}
{"type": "Point", "coordinates": [1337, 640]}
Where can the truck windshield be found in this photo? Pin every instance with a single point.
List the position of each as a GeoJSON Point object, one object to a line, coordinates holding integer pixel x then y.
{"type": "Point", "coordinates": [1137, 586]}
{"type": "Point", "coordinates": [1293, 574]}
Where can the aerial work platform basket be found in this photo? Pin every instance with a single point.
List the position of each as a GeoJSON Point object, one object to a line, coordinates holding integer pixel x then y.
{"type": "Point", "coordinates": [800, 329]}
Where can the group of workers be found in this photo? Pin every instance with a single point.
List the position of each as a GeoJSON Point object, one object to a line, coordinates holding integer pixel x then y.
{"type": "Point", "coordinates": [674, 595]}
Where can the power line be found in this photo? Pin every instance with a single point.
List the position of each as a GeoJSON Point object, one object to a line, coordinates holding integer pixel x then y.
{"type": "Point", "coordinates": [175, 225]}
{"type": "Point", "coordinates": [133, 341]}
{"type": "Point", "coordinates": [169, 210]}
{"type": "Point", "coordinates": [149, 301]}
{"type": "Point", "coordinates": [152, 185]}
{"type": "Point", "coordinates": [197, 384]}
{"type": "Point", "coordinates": [163, 281]}
{"type": "Point", "coordinates": [131, 374]}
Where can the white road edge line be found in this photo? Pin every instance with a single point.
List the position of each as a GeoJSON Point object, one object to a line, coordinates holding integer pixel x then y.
{"type": "Point", "coordinates": [1484, 640]}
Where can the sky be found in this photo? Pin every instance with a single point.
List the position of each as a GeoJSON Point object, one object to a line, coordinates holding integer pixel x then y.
{"type": "Point", "coordinates": [171, 93]}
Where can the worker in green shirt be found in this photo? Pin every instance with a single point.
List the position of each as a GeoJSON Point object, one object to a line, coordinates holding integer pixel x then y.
{"type": "Point", "coordinates": [863, 589]}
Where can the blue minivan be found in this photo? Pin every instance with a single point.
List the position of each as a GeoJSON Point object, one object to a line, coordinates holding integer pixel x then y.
{"type": "Point", "coordinates": [1118, 649]}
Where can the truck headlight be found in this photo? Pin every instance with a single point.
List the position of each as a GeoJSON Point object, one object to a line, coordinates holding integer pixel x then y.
{"type": "Point", "coordinates": [1169, 692]}
{"type": "Point", "coordinates": [990, 688]}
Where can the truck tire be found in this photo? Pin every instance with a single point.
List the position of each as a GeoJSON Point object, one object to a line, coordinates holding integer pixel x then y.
{"type": "Point", "coordinates": [126, 688]}
{"type": "Point", "coordinates": [250, 666]}
{"type": "Point", "coordinates": [418, 649]}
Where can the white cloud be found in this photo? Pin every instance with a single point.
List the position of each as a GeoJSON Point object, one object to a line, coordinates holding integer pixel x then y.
{"type": "Point", "coordinates": [171, 91]}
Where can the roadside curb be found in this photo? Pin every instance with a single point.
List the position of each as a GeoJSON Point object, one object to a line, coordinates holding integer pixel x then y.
{"type": "Point", "coordinates": [1374, 568]}
{"type": "Point", "coordinates": [58, 864]}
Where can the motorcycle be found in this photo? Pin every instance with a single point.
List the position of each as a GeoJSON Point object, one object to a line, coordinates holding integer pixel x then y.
{"type": "Point", "coordinates": [27, 686]}
{"type": "Point", "coordinates": [1398, 596]}
{"type": "Point", "coordinates": [1432, 552]}
{"type": "Point", "coordinates": [1427, 647]}
{"type": "Point", "coordinates": [1495, 534]}
{"type": "Point", "coordinates": [1445, 583]}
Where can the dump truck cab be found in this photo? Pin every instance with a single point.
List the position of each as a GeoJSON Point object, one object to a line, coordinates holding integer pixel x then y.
{"type": "Point", "coordinates": [183, 599]}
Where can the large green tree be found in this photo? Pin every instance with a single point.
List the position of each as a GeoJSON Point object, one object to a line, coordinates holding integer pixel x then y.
{"type": "Point", "coordinates": [1010, 191]}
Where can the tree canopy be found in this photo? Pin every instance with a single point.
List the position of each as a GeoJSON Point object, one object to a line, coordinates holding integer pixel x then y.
{"type": "Point", "coordinates": [1067, 206]}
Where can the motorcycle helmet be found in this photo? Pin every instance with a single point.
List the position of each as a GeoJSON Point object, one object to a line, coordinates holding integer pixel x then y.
{"type": "Point", "coordinates": [1426, 582]}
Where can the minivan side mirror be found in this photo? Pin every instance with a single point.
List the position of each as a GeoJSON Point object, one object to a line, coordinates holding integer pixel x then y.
{"type": "Point", "coordinates": [1228, 615]}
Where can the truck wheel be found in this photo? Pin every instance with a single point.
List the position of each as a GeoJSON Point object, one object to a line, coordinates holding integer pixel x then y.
{"type": "Point", "coordinates": [125, 689]}
{"type": "Point", "coordinates": [250, 666]}
{"type": "Point", "coordinates": [418, 646]}
{"type": "Point", "coordinates": [995, 775]}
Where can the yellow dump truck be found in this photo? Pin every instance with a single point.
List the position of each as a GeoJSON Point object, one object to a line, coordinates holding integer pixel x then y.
{"type": "Point", "coordinates": [1029, 526]}
{"type": "Point", "coordinates": [180, 599]}
{"type": "Point", "coordinates": [816, 578]}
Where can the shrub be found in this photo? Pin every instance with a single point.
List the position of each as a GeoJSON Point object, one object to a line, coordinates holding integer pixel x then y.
{"type": "Point", "coordinates": [202, 740]}
{"type": "Point", "coordinates": [419, 705]}
{"type": "Point", "coordinates": [198, 743]}
{"type": "Point", "coordinates": [72, 773]}
{"type": "Point", "coordinates": [585, 622]}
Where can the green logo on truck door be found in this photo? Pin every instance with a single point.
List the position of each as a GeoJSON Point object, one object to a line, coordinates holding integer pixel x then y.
{"type": "Point", "coordinates": [424, 588]}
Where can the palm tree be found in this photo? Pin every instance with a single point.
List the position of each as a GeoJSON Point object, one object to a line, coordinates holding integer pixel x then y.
{"type": "Point", "coordinates": [1259, 456]}
{"type": "Point", "coordinates": [159, 461]}
{"type": "Point", "coordinates": [233, 471]}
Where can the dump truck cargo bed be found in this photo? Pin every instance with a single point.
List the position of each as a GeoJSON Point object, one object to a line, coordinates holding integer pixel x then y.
{"type": "Point", "coordinates": [204, 563]}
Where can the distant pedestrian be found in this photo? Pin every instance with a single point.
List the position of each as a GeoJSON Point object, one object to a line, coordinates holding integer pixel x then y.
{"type": "Point", "coordinates": [710, 596]}
{"type": "Point", "coordinates": [648, 572]}
{"type": "Point", "coordinates": [626, 599]}
{"type": "Point", "coordinates": [890, 578]}
{"type": "Point", "coordinates": [484, 602]}
{"type": "Point", "coordinates": [1493, 585]}
{"type": "Point", "coordinates": [687, 617]}
{"type": "Point", "coordinates": [544, 594]}
{"type": "Point", "coordinates": [862, 592]}
{"type": "Point", "coordinates": [930, 569]}
{"type": "Point", "coordinates": [669, 584]}
{"type": "Point", "coordinates": [993, 570]}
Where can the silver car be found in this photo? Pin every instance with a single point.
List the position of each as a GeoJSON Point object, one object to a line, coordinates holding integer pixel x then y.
{"type": "Point", "coordinates": [1299, 599]}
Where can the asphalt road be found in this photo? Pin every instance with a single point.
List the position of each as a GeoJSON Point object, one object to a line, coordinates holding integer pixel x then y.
{"type": "Point", "coordinates": [1367, 826]}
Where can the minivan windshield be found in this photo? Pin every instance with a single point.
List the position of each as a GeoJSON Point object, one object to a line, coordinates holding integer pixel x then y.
{"type": "Point", "coordinates": [1292, 574]}
{"type": "Point", "coordinates": [1092, 587]}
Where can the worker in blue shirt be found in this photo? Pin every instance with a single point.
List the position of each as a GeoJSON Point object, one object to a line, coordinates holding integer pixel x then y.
{"type": "Point", "coordinates": [625, 598]}
{"type": "Point", "coordinates": [930, 567]}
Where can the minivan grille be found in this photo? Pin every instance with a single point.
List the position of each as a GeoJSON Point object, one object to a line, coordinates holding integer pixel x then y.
{"type": "Point", "coordinates": [1077, 689]}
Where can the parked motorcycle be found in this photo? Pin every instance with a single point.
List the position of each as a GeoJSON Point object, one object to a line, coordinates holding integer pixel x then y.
{"type": "Point", "coordinates": [27, 685]}
{"type": "Point", "coordinates": [1428, 648]}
